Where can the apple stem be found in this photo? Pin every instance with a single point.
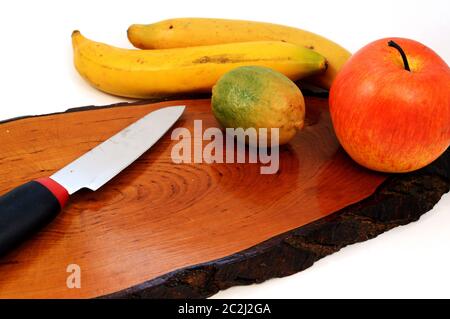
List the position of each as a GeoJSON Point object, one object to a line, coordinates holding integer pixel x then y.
{"type": "Point", "coordinates": [402, 53]}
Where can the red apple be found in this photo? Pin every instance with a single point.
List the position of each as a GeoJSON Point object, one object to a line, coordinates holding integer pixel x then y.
{"type": "Point", "coordinates": [390, 105]}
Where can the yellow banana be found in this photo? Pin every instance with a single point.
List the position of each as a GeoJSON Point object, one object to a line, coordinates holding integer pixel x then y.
{"type": "Point", "coordinates": [186, 32]}
{"type": "Point", "coordinates": [149, 73]}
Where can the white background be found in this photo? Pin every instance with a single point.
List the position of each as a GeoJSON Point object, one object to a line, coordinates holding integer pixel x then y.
{"type": "Point", "coordinates": [37, 77]}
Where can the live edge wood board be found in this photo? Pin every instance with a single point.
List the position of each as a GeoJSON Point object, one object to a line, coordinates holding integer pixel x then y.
{"type": "Point", "coordinates": [161, 229]}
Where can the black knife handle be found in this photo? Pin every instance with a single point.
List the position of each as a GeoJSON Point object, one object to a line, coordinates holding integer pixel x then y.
{"type": "Point", "coordinates": [28, 208]}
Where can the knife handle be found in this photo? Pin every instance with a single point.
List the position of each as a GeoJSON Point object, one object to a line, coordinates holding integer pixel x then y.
{"type": "Point", "coordinates": [28, 208]}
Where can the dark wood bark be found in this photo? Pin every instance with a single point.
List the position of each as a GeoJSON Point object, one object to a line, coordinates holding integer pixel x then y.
{"type": "Point", "coordinates": [400, 200]}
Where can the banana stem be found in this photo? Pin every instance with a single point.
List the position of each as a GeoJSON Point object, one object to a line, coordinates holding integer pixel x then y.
{"type": "Point", "coordinates": [402, 53]}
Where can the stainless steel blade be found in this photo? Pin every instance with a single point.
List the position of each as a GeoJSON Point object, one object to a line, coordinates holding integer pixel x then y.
{"type": "Point", "coordinates": [106, 160]}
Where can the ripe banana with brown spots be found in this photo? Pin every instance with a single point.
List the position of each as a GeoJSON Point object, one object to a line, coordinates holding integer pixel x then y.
{"type": "Point", "coordinates": [149, 73]}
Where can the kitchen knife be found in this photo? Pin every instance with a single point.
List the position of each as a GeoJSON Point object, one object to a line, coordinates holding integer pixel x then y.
{"type": "Point", "coordinates": [31, 206]}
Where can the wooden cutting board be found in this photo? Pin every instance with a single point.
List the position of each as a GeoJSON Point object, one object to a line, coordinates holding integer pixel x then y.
{"type": "Point", "coordinates": [161, 229]}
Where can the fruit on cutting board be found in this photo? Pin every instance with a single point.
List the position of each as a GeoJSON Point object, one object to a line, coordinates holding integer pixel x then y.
{"type": "Point", "coordinates": [187, 32]}
{"type": "Point", "coordinates": [149, 73]}
{"type": "Point", "coordinates": [390, 105]}
{"type": "Point", "coordinates": [259, 97]}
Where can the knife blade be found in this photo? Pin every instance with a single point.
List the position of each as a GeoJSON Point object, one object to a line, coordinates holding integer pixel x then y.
{"type": "Point", "coordinates": [29, 207]}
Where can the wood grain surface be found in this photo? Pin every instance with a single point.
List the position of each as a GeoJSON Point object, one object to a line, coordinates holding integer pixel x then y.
{"type": "Point", "coordinates": [158, 216]}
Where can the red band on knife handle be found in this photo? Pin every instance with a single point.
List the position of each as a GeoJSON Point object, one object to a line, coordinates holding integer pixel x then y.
{"type": "Point", "coordinates": [57, 190]}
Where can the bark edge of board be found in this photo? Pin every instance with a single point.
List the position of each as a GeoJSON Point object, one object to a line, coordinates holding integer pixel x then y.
{"type": "Point", "coordinates": [400, 200]}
